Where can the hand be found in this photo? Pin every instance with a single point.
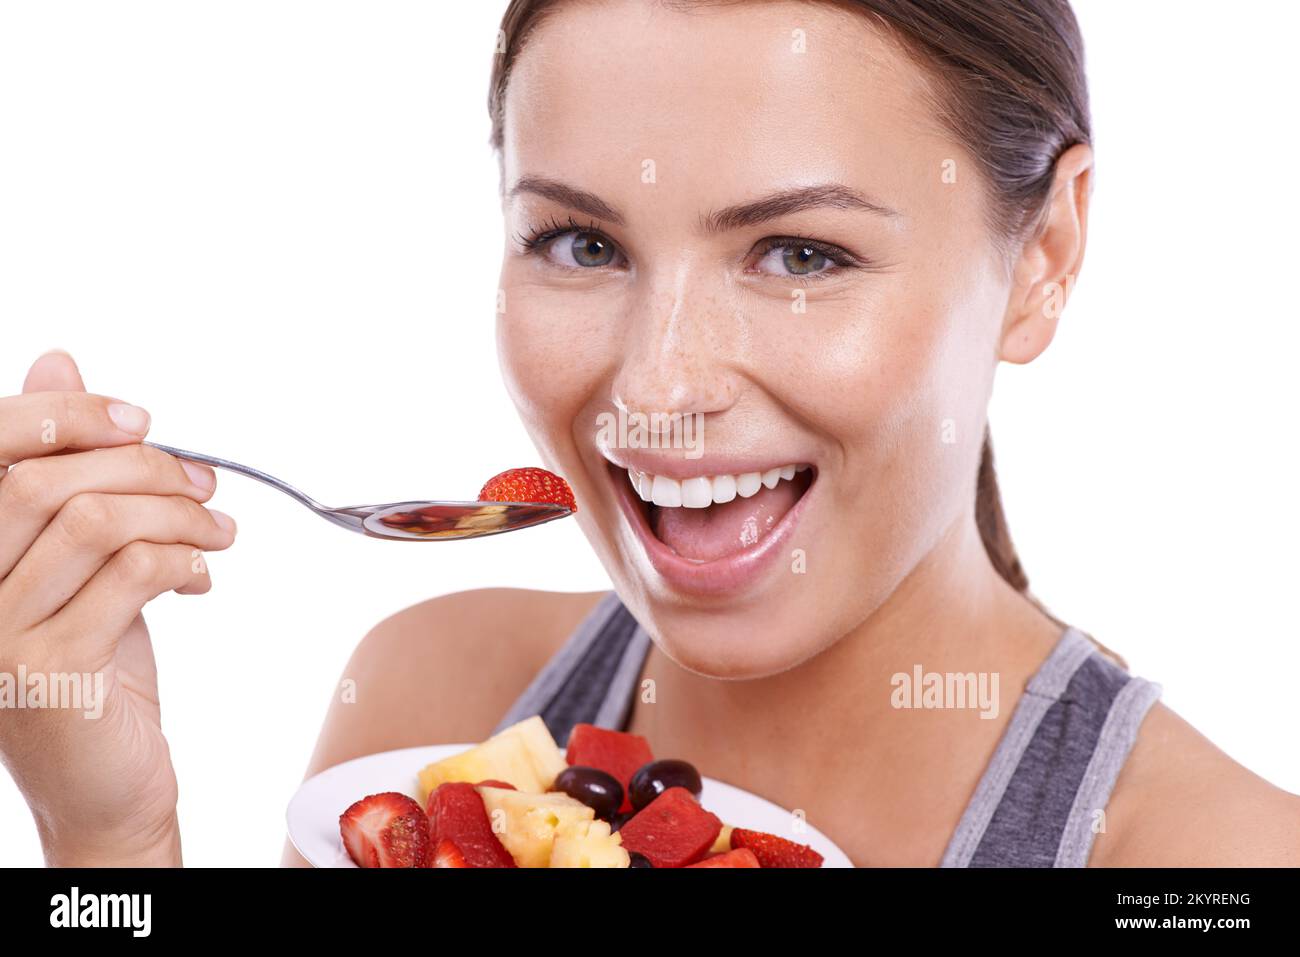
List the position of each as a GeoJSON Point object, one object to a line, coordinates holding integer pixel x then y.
{"type": "Point", "coordinates": [93, 525]}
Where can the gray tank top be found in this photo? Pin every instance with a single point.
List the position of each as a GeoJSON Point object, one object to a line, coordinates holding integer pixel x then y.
{"type": "Point", "coordinates": [1039, 802]}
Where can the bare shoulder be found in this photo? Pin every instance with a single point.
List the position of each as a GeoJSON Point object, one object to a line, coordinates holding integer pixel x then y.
{"type": "Point", "coordinates": [1179, 801]}
{"type": "Point", "coordinates": [445, 669]}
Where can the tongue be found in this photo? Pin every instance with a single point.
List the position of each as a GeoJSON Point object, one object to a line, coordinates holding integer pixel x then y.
{"type": "Point", "coordinates": [705, 534]}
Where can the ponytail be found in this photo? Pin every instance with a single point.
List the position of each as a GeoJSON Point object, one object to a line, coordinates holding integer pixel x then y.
{"type": "Point", "coordinates": [996, 536]}
{"type": "Point", "coordinates": [992, 522]}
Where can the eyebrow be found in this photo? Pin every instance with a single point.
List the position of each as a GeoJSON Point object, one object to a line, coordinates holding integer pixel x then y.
{"type": "Point", "coordinates": [781, 203]}
{"type": "Point", "coordinates": [571, 196]}
{"type": "Point", "coordinates": [786, 201]}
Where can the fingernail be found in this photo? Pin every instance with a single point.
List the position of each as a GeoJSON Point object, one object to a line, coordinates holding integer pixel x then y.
{"type": "Point", "coordinates": [200, 475]}
{"type": "Point", "coordinates": [55, 352]}
{"type": "Point", "coordinates": [222, 519]}
{"type": "Point", "coordinates": [129, 418]}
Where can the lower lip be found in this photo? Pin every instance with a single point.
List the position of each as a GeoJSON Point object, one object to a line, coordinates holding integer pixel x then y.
{"type": "Point", "coordinates": [722, 576]}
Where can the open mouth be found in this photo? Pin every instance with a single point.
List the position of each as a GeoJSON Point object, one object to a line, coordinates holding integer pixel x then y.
{"type": "Point", "coordinates": [707, 518]}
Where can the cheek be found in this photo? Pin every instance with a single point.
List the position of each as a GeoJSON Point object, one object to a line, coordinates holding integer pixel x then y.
{"type": "Point", "coordinates": [876, 371]}
{"type": "Point", "coordinates": [897, 381]}
{"type": "Point", "coordinates": [553, 350]}
{"type": "Point", "coordinates": [932, 398]}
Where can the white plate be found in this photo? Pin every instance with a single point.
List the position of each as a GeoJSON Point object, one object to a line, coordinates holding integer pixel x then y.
{"type": "Point", "coordinates": [313, 813]}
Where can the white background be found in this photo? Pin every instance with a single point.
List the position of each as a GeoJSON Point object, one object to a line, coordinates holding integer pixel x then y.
{"type": "Point", "coordinates": [275, 225]}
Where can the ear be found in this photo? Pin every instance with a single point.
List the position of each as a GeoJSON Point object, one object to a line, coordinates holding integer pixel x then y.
{"type": "Point", "coordinates": [1049, 261]}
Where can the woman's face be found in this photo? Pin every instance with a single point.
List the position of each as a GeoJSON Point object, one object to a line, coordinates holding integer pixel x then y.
{"type": "Point", "coordinates": [744, 224]}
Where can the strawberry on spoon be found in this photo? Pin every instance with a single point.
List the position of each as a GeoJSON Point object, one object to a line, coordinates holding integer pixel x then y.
{"type": "Point", "coordinates": [529, 484]}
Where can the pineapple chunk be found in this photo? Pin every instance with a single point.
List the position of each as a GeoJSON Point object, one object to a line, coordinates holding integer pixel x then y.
{"type": "Point", "coordinates": [527, 823]}
{"type": "Point", "coordinates": [547, 758]}
{"type": "Point", "coordinates": [723, 843]}
{"type": "Point", "coordinates": [524, 755]}
{"type": "Point", "coordinates": [587, 844]}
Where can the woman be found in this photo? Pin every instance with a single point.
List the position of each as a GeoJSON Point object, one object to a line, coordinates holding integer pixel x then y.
{"type": "Point", "coordinates": [809, 232]}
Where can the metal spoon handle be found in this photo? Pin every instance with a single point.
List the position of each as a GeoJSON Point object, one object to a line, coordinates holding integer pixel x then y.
{"type": "Point", "coordinates": [251, 472]}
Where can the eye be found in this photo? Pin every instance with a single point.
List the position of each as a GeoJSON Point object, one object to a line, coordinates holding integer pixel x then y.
{"type": "Point", "coordinates": [583, 249]}
{"type": "Point", "coordinates": [794, 258]}
{"type": "Point", "coordinates": [571, 245]}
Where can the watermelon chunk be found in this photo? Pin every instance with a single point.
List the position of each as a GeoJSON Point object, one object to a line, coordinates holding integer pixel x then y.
{"type": "Point", "coordinates": [673, 830]}
{"type": "Point", "coordinates": [617, 753]}
{"type": "Point", "coordinates": [456, 814]}
{"type": "Point", "coordinates": [741, 857]}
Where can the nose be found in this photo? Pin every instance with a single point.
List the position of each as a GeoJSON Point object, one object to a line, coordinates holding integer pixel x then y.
{"type": "Point", "coordinates": [679, 354]}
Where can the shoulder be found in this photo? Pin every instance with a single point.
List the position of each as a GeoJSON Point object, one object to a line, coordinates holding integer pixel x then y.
{"type": "Point", "coordinates": [1179, 801]}
{"type": "Point", "coordinates": [445, 669]}
{"type": "Point", "coordinates": [517, 627]}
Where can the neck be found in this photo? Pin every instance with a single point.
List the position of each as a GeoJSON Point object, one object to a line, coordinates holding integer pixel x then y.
{"type": "Point", "coordinates": [953, 609]}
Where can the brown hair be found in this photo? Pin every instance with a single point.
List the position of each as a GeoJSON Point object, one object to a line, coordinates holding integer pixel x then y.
{"type": "Point", "coordinates": [1008, 82]}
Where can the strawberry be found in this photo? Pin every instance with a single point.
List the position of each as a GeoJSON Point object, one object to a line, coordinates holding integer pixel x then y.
{"type": "Point", "coordinates": [773, 851]}
{"type": "Point", "coordinates": [743, 857]}
{"type": "Point", "coordinates": [448, 854]}
{"type": "Point", "coordinates": [386, 830]}
{"type": "Point", "coordinates": [528, 485]}
{"type": "Point", "coordinates": [492, 783]}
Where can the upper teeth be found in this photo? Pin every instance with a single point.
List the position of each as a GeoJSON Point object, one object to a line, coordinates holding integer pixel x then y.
{"type": "Point", "coordinates": [702, 491]}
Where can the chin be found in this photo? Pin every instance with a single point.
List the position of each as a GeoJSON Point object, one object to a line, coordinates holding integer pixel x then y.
{"type": "Point", "coordinates": [740, 645]}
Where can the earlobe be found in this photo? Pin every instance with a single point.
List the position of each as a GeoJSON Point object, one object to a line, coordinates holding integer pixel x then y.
{"type": "Point", "coordinates": [1026, 338]}
{"type": "Point", "coordinates": [1049, 261]}
{"type": "Point", "coordinates": [1039, 297]}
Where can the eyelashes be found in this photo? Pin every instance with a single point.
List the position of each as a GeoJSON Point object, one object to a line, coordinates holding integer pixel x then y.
{"type": "Point", "coordinates": [535, 237]}
{"type": "Point", "coordinates": [799, 251]}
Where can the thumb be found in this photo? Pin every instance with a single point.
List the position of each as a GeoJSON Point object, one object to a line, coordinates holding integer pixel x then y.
{"type": "Point", "coordinates": [54, 372]}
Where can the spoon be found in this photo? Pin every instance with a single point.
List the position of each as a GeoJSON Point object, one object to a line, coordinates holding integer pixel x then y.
{"type": "Point", "coordinates": [404, 521]}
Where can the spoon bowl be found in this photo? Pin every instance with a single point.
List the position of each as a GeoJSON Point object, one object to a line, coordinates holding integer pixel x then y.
{"type": "Point", "coordinates": [435, 521]}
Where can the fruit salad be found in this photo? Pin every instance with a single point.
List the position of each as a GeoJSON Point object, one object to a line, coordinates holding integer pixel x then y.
{"type": "Point", "coordinates": [518, 800]}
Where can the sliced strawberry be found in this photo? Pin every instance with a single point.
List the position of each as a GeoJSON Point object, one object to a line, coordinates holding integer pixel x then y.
{"type": "Point", "coordinates": [386, 830]}
{"type": "Point", "coordinates": [447, 854]}
{"type": "Point", "coordinates": [617, 753]}
{"type": "Point", "coordinates": [528, 485]}
{"type": "Point", "coordinates": [741, 857]}
{"type": "Point", "coordinates": [773, 851]}
{"type": "Point", "coordinates": [456, 813]}
{"type": "Point", "coordinates": [492, 783]}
